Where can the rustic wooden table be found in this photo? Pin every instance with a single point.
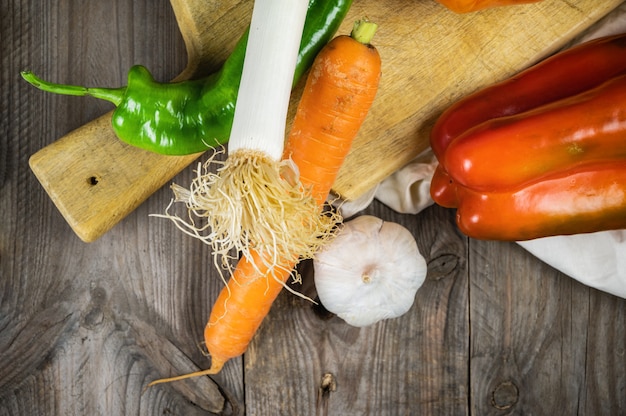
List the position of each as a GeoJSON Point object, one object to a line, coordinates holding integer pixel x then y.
{"type": "Point", "coordinates": [84, 327]}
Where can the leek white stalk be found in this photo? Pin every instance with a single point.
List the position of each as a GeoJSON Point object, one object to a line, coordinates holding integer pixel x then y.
{"type": "Point", "coordinates": [248, 203]}
{"type": "Point", "coordinates": [266, 80]}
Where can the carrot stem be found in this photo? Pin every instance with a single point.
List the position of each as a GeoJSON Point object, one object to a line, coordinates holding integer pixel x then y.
{"type": "Point", "coordinates": [363, 31]}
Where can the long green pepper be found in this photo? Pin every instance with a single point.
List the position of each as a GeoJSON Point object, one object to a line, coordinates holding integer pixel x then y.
{"type": "Point", "coordinates": [195, 115]}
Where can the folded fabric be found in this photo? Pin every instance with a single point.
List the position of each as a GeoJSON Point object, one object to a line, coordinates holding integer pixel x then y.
{"type": "Point", "coordinates": [406, 191]}
{"type": "Point", "coordinates": [597, 260]}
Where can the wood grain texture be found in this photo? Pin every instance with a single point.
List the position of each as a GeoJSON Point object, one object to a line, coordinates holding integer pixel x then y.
{"type": "Point", "coordinates": [84, 327]}
{"type": "Point", "coordinates": [410, 365]}
{"type": "Point", "coordinates": [558, 342]}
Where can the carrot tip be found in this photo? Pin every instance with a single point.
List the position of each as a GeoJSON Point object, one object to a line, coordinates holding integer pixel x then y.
{"type": "Point", "coordinates": [216, 367]}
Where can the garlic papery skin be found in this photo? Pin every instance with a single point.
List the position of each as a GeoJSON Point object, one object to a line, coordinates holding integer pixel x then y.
{"type": "Point", "coordinates": [371, 271]}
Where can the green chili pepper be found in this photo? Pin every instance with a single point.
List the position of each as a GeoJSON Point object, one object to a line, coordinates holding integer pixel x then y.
{"type": "Point", "coordinates": [195, 115]}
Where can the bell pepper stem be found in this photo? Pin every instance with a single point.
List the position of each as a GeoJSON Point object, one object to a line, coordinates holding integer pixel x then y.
{"type": "Point", "coordinates": [114, 95]}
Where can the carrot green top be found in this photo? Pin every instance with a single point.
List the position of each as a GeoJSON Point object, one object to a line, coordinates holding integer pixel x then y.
{"type": "Point", "coordinates": [363, 31]}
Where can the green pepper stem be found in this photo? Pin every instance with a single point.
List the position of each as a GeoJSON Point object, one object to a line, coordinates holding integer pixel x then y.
{"type": "Point", "coordinates": [114, 95]}
{"type": "Point", "coordinates": [363, 31]}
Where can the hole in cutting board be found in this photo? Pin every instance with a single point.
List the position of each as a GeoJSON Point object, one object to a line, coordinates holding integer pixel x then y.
{"type": "Point", "coordinates": [93, 180]}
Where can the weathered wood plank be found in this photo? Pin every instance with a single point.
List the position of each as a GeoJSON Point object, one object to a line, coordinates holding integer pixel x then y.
{"type": "Point", "coordinates": [541, 342]}
{"type": "Point", "coordinates": [84, 327]}
{"type": "Point", "coordinates": [416, 364]}
{"type": "Point", "coordinates": [604, 386]}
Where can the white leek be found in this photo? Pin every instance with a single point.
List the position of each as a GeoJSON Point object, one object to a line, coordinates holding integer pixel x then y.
{"type": "Point", "coordinates": [247, 203]}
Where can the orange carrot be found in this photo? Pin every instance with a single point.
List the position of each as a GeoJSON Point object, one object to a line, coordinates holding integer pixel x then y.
{"type": "Point", "coordinates": [241, 307]}
{"type": "Point", "coordinates": [338, 94]}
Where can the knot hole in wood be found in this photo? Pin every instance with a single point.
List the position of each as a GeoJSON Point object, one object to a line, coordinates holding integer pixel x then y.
{"type": "Point", "coordinates": [94, 315]}
{"type": "Point", "coordinates": [93, 180]}
{"type": "Point", "coordinates": [505, 395]}
{"type": "Point", "coordinates": [442, 266]}
{"type": "Point", "coordinates": [328, 384]}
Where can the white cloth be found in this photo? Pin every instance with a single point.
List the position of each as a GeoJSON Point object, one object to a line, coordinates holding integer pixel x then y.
{"type": "Point", "coordinates": [597, 260]}
{"type": "Point", "coordinates": [406, 191]}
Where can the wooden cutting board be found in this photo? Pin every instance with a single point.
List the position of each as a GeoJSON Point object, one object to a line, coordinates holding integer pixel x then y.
{"type": "Point", "coordinates": [431, 57]}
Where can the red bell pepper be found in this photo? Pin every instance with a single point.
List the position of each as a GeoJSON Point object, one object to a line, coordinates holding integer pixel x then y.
{"type": "Point", "coordinates": [565, 113]}
{"type": "Point", "coordinates": [509, 151]}
{"type": "Point", "coordinates": [583, 199]}
{"type": "Point", "coordinates": [565, 74]}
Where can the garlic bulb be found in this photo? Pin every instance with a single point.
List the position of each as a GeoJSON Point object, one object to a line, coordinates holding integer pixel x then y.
{"type": "Point", "coordinates": [371, 271]}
